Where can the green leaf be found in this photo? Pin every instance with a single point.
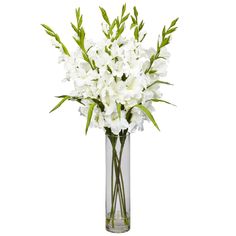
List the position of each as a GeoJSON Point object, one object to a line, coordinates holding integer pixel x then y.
{"type": "Point", "coordinates": [74, 27]}
{"type": "Point", "coordinates": [152, 72]}
{"type": "Point", "coordinates": [85, 57]}
{"type": "Point", "coordinates": [152, 59]}
{"type": "Point", "coordinates": [123, 9]}
{"type": "Point", "coordinates": [104, 15]}
{"type": "Point", "coordinates": [62, 96]}
{"type": "Point", "coordinates": [133, 20]}
{"type": "Point", "coordinates": [99, 103]}
{"type": "Point", "coordinates": [89, 116]}
{"type": "Point", "coordinates": [132, 26]}
{"type": "Point", "coordinates": [94, 64]}
{"type": "Point", "coordinates": [148, 114]}
{"type": "Point", "coordinates": [121, 30]}
{"type": "Point", "coordinates": [135, 12]}
{"type": "Point", "coordinates": [165, 41]}
{"type": "Point", "coordinates": [107, 35]}
{"type": "Point", "coordinates": [158, 57]}
{"type": "Point", "coordinates": [108, 51]}
{"type": "Point", "coordinates": [163, 32]}
{"type": "Point", "coordinates": [112, 26]}
{"type": "Point", "coordinates": [65, 49]}
{"type": "Point", "coordinates": [77, 99]}
{"type": "Point", "coordinates": [89, 49]}
{"type": "Point", "coordinates": [118, 107]}
{"type": "Point", "coordinates": [77, 41]}
{"type": "Point", "coordinates": [77, 13]}
{"type": "Point", "coordinates": [47, 27]}
{"type": "Point", "coordinates": [60, 103]}
{"type": "Point", "coordinates": [136, 33]}
{"type": "Point", "coordinates": [171, 30]}
{"type": "Point", "coordinates": [159, 82]}
{"type": "Point", "coordinates": [109, 69]}
{"type": "Point", "coordinates": [160, 100]}
{"type": "Point", "coordinates": [158, 46]}
{"type": "Point", "coordinates": [174, 22]}
{"type": "Point", "coordinates": [117, 22]}
{"type": "Point", "coordinates": [80, 22]}
{"type": "Point", "coordinates": [57, 38]}
{"type": "Point", "coordinates": [129, 115]}
{"type": "Point", "coordinates": [125, 18]}
{"type": "Point", "coordinates": [50, 33]}
{"type": "Point", "coordinates": [82, 36]}
{"type": "Point", "coordinates": [144, 36]}
{"type": "Point", "coordinates": [141, 25]}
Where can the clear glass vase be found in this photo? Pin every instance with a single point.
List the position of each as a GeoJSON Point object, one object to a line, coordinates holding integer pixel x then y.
{"type": "Point", "coordinates": [118, 182]}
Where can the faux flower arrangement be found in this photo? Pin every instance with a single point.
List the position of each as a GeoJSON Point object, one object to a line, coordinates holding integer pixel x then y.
{"type": "Point", "coordinates": [116, 81]}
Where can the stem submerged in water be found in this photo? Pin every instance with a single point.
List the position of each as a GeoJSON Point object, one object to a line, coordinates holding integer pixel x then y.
{"type": "Point", "coordinates": [117, 181]}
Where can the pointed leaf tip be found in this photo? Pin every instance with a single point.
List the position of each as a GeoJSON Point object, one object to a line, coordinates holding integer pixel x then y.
{"type": "Point", "coordinates": [135, 12]}
{"type": "Point", "coordinates": [46, 27]}
{"type": "Point", "coordinates": [148, 114]}
{"type": "Point", "coordinates": [60, 103]}
{"type": "Point", "coordinates": [89, 116]}
{"type": "Point", "coordinates": [174, 22]}
{"type": "Point", "coordinates": [163, 101]}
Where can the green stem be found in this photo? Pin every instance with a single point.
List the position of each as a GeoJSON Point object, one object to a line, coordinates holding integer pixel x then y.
{"type": "Point", "coordinates": [112, 173]}
{"type": "Point", "coordinates": [119, 185]}
{"type": "Point", "coordinates": [121, 202]}
{"type": "Point", "coordinates": [114, 195]}
{"type": "Point", "coordinates": [122, 180]}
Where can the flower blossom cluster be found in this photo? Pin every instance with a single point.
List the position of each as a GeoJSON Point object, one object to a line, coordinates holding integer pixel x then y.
{"type": "Point", "coordinates": [119, 79]}
{"type": "Point", "coordinates": [115, 80]}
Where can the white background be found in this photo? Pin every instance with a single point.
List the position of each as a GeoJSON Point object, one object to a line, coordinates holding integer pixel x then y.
{"type": "Point", "coordinates": [52, 176]}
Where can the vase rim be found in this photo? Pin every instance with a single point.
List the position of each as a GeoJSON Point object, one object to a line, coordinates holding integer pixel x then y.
{"type": "Point", "coordinates": [114, 135]}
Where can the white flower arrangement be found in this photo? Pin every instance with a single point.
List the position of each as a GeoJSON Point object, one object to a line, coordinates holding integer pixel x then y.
{"type": "Point", "coordinates": [116, 81]}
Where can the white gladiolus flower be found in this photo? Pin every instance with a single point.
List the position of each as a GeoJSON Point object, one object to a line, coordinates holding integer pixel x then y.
{"type": "Point", "coordinates": [164, 53]}
{"type": "Point", "coordinates": [116, 79]}
{"type": "Point", "coordinates": [120, 78]}
{"type": "Point", "coordinates": [115, 123]}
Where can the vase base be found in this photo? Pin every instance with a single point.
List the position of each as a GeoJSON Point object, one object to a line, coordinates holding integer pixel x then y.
{"type": "Point", "coordinates": [117, 224]}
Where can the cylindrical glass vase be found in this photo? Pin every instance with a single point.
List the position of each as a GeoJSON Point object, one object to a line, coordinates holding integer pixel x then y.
{"type": "Point", "coordinates": [118, 183]}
